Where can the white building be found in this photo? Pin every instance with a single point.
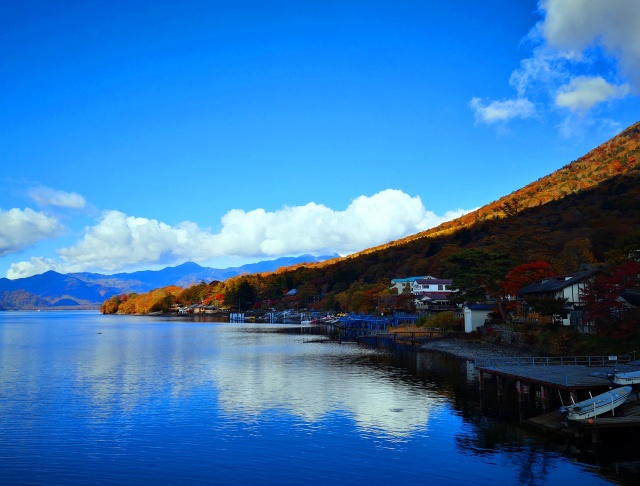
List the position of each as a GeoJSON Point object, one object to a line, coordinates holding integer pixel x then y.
{"type": "Point", "coordinates": [401, 283]}
{"type": "Point", "coordinates": [431, 285]}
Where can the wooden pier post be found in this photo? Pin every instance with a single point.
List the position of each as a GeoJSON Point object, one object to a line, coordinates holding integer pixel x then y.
{"type": "Point", "coordinates": [481, 380]}
{"type": "Point", "coordinates": [500, 386]}
{"type": "Point", "coordinates": [520, 391]}
{"type": "Point", "coordinates": [544, 398]}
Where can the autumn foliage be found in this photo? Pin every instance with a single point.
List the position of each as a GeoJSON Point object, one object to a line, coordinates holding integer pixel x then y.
{"type": "Point", "coordinates": [610, 314]}
{"type": "Point", "coordinates": [586, 212]}
{"type": "Point", "coordinates": [524, 275]}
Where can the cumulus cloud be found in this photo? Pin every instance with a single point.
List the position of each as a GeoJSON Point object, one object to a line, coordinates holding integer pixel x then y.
{"type": "Point", "coordinates": [34, 266]}
{"type": "Point", "coordinates": [611, 25]}
{"type": "Point", "coordinates": [119, 241]}
{"type": "Point", "coordinates": [486, 111]}
{"type": "Point", "coordinates": [571, 43]}
{"type": "Point", "coordinates": [46, 196]}
{"type": "Point", "coordinates": [22, 228]}
{"type": "Point", "coordinates": [583, 92]}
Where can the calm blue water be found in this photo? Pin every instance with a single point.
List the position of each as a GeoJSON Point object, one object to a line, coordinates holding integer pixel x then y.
{"type": "Point", "coordinates": [93, 399]}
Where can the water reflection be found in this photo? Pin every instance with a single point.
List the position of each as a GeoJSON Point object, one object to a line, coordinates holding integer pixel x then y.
{"type": "Point", "coordinates": [143, 399]}
{"type": "Point", "coordinates": [252, 369]}
{"type": "Point", "coordinates": [312, 380]}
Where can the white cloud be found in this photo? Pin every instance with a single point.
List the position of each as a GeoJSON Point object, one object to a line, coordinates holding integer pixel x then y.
{"type": "Point", "coordinates": [119, 241]}
{"type": "Point", "coordinates": [20, 229]}
{"type": "Point", "coordinates": [574, 40]}
{"type": "Point", "coordinates": [46, 196]}
{"type": "Point", "coordinates": [34, 266]}
{"type": "Point", "coordinates": [613, 25]}
{"type": "Point", "coordinates": [583, 92]}
{"type": "Point", "coordinates": [486, 111]}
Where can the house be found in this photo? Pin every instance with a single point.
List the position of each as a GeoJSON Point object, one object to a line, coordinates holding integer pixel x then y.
{"type": "Point", "coordinates": [562, 287]}
{"type": "Point", "coordinates": [434, 302]}
{"type": "Point", "coordinates": [432, 294]}
{"type": "Point", "coordinates": [400, 284]}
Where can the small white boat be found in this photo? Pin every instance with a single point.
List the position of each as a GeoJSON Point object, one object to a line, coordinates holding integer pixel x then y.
{"type": "Point", "coordinates": [626, 378]}
{"type": "Point", "coordinates": [597, 405]}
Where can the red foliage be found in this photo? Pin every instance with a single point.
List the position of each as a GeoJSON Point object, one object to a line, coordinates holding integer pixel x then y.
{"type": "Point", "coordinates": [603, 307]}
{"type": "Point", "coordinates": [525, 274]}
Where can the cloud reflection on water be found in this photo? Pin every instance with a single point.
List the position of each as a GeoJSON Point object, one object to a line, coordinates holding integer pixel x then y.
{"type": "Point", "coordinates": [135, 363]}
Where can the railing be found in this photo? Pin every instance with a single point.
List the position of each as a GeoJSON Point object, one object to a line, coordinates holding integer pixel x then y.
{"type": "Point", "coordinates": [633, 355]}
{"type": "Point", "coordinates": [423, 334]}
{"type": "Point", "coordinates": [551, 361]}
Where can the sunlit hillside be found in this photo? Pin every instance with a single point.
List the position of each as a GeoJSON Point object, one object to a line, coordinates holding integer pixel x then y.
{"type": "Point", "coordinates": [586, 212]}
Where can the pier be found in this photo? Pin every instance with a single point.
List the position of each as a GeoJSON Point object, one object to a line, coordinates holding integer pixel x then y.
{"type": "Point", "coordinates": [569, 380]}
{"type": "Point", "coordinates": [370, 322]}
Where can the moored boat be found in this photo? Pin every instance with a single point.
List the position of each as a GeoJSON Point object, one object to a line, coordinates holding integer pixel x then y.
{"type": "Point", "coordinates": [624, 378]}
{"type": "Point", "coordinates": [594, 406]}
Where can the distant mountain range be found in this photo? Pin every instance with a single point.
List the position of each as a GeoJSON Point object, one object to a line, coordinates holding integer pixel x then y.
{"type": "Point", "coordinates": [88, 290]}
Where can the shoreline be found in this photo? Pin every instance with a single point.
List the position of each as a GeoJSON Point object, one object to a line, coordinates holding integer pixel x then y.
{"type": "Point", "coordinates": [472, 350]}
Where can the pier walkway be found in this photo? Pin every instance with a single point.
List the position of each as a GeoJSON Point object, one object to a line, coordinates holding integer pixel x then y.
{"type": "Point", "coordinates": [369, 322]}
{"type": "Point", "coordinates": [565, 373]}
{"type": "Point", "coordinates": [549, 374]}
{"type": "Point", "coordinates": [577, 378]}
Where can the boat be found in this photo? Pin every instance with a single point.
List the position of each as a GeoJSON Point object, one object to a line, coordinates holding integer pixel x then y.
{"type": "Point", "coordinates": [624, 378]}
{"type": "Point", "coordinates": [594, 406]}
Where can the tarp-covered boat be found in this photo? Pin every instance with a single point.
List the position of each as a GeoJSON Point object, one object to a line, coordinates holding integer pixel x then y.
{"type": "Point", "coordinates": [625, 378]}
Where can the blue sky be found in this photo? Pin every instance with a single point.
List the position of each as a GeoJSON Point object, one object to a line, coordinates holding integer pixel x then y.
{"type": "Point", "coordinates": [143, 134]}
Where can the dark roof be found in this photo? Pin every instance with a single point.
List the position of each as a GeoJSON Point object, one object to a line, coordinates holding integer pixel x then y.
{"type": "Point", "coordinates": [482, 306]}
{"type": "Point", "coordinates": [445, 281]}
{"type": "Point", "coordinates": [631, 297]}
{"type": "Point", "coordinates": [553, 284]}
{"type": "Point", "coordinates": [435, 295]}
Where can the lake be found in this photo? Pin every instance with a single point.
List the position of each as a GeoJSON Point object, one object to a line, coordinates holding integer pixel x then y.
{"type": "Point", "coordinates": [93, 399]}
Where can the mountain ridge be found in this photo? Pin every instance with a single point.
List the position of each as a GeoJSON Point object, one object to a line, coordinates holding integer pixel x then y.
{"type": "Point", "coordinates": [89, 290]}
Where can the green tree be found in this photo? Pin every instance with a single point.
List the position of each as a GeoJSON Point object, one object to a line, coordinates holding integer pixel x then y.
{"type": "Point", "coordinates": [478, 275]}
{"type": "Point", "coordinates": [246, 294]}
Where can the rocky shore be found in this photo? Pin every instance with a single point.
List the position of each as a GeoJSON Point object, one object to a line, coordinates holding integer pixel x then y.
{"type": "Point", "coordinates": [474, 349]}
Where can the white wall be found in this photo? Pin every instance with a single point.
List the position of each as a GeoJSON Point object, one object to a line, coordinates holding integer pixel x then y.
{"type": "Point", "coordinates": [473, 319]}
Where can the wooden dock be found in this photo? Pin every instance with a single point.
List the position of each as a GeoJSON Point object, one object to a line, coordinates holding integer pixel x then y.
{"type": "Point", "coordinates": [626, 416]}
{"type": "Point", "coordinates": [569, 374]}
{"type": "Point", "coordinates": [564, 380]}
{"type": "Point", "coordinates": [562, 377]}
